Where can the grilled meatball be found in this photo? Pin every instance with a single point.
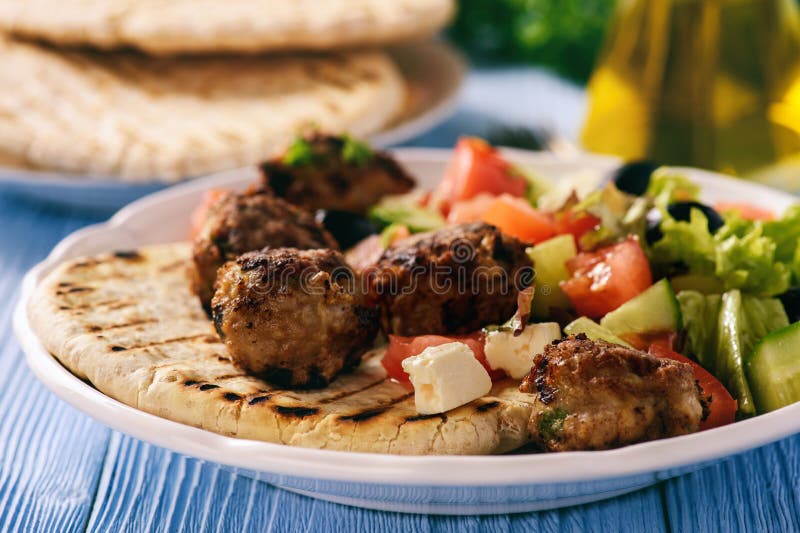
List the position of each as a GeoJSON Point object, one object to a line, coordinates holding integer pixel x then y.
{"type": "Point", "coordinates": [454, 280]}
{"type": "Point", "coordinates": [593, 395]}
{"type": "Point", "coordinates": [327, 172]}
{"type": "Point", "coordinates": [294, 317]}
{"type": "Point", "coordinates": [242, 222]}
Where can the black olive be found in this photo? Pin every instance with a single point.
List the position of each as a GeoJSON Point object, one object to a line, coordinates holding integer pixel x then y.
{"type": "Point", "coordinates": [346, 228]}
{"type": "Point", "coordinates": [634, 177]}
{"type": "Point", "coordinates": [791, 303]}
{"type": "Point", "coordinates": [682, 211]}
{"type": "Point", "coordinates": [653, 232]}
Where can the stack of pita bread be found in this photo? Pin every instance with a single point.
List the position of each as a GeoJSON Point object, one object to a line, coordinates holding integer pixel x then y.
{"type": "Point", "coordinates": [167, 89]}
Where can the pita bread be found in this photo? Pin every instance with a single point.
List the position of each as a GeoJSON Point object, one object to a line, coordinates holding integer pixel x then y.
{"type": "Point", "coordinates": [143, 118]}
{"type": "Point", "coordinates": [180, 26]}
{"type": "Point", "coordinates": [127, 323]}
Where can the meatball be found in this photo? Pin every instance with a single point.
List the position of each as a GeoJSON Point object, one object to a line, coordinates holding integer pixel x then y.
{"type": "Point", "coordinates": [454, 280]}
{"type": "Point", "coordinates": [294, 317]}
{"type": "Point", "coordinates": [593, 395]}
{"type": "Point", "coordinates": [242, 222]}
{"type": "Point", "coordinates": [327, 172]}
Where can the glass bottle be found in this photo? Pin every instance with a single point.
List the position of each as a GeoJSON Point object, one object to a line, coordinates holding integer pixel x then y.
{"type": "Point", "coordinates": [708, 83]}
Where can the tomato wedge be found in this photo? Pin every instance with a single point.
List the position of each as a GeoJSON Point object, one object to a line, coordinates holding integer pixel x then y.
{"type": "Point", "coordinates": [576, 224]}
{"type": "Point", "coordinates": [745, 210]}
{"type": "Point", "coordinates": [402, 347]}
{"type": "Point", "coordinates": [642, 341]}
{"type": "Point", "coordinates": [198, 216]}
{"type": "Point", "coordinates": [607, 278]}
{"type": "Point", "coordinates": [470, 210]}
{"type": "Point", "coordinates": [517, 218]}
{"type": "Point", "coordinates": [477, 168]}
{"type": "Point", "coordinates": [722, 407]}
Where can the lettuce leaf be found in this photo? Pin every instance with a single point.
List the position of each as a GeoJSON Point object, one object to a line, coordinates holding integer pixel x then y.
{"type": "Point", "coordinates": [741, 255]}
{"type": "Point", "coordinates": [785, 232]}
{"type": "Point", "coordinates": [721, 332]}
{"type": "Point", "coordinates": [620, 215]}
{"type": "Point", "coordinates": [667, 186]}
{"type": "Point", "coordinates": [700, 312]}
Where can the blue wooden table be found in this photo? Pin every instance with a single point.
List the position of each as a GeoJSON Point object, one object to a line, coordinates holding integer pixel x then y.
{"type": "Point", "coordinates": [61, 471]}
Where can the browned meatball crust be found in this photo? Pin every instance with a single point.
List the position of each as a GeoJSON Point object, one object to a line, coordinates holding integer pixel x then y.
{"type": "Point", "coordinates": [294, 317]}
{"type": "Point", "coordinates": [327, 177]}
{"type": "Point", "coordinates": [593, 395]}
{"type": "Point", "coordinates": [454, 280]}
{"type": "Point", "coordinates": [242, 222]}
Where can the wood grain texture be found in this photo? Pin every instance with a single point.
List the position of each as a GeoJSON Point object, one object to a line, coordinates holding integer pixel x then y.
{"type": "Point", "coordinates": [755, 491]}
{"type": "Point", "coordinates": [145, 488]}
{"type": "Point", "coordinates": [50, 454]}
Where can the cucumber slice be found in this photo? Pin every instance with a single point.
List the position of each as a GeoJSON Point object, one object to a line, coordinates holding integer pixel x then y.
{"type": "Point", "coordinates": [593, 330]}
{"type": "Point", "coordinates": [403, 211]}
{"type": "Point", "coordinates": [773, 369]}
{"type": "Point", "coordinates": [549, 260]}
{"type": "Point", "coordinates": [654, 310]}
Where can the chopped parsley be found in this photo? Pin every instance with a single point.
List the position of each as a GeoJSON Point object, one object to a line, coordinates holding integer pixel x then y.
{"type": "Point", "coordinates": [300, 153]}
{"type": "Point", "coordinates": [552, 423]}
{"type": "Point", "coordinates": [355, 152]}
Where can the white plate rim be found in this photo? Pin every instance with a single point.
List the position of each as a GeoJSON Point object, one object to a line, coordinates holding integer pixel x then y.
{"type": "Point", "coordinates": [351, 467]}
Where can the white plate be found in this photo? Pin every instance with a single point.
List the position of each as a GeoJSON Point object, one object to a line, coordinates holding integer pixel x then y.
{"type": "Point", "coordinates": [449, 484]}
{"type": "Point", "coordinates": [433, 71]}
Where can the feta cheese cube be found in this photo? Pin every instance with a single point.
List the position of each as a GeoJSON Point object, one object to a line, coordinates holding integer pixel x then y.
{"type": "Point", "coordinates": [515, 355]}
{"type": "Point", "coordinates": [445, 377]}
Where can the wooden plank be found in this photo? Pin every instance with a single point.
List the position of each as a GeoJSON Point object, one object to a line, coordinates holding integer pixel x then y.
{"type": "Point", "coordinates": [147, 488]}
{"type": "Point", "coordinates": [50, 454]}
{"type": "Point", "coordinates": [755, 491]}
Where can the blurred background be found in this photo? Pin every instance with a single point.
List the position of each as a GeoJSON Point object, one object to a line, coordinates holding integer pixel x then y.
{"type": "Point", "coordinates": [707, 83]}
{"type": "Point", "coordinates": [564, 36]}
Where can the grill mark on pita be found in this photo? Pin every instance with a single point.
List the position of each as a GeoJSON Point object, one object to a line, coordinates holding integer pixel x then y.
{"type": "Point", "coordinates": [259, 399]}
{"type": "Point", "coordinates": [368, 75]}
{"type": "Point", "coordinates": [298, 411]}
{"type": "Point", "coordinates": [374, 411]}
{"type": "Point", "coordinates": [208, 386]}
{"type": "Point", "coordinates": [229, 376]}
{"type": "Point", "coordinates": [202, 336]}
{"type": "Point", "coordinates": [83, 264]}
{"type": "Point", "coordinates": [127, 254]}
{"type": "Point", "coordinates": [119, 305]}
{"type": "Point", "coordinates": [95, 328]}
{"type": "Point", "coordinates": [488, 406]}
{"type": "Point", "coordinates": [395, 401]}
{"type": "Point", "coordinates": [110, 305]}
{"type": "Point", "coordinates": [231, 396]}
{"type": "Point", "coordinates": [345, 394]}
{"type": "Point", "coordinates": [70, 290]}
{"type": "Point", "coordinates": [364, 415]}
{"type": "Point", "coordinates": [418, 418]}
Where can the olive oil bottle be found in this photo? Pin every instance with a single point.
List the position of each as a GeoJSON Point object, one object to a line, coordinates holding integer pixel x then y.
{"type": "Point", "coordinates": [708, 83]}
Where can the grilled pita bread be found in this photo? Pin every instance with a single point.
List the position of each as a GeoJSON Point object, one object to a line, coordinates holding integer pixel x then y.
{"type": "Point", "coordinates": [128, 323]}
{"type": "Point", "coordinates": [142, 118]}
{"type": "Point", "coordinates": [181, 26]}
